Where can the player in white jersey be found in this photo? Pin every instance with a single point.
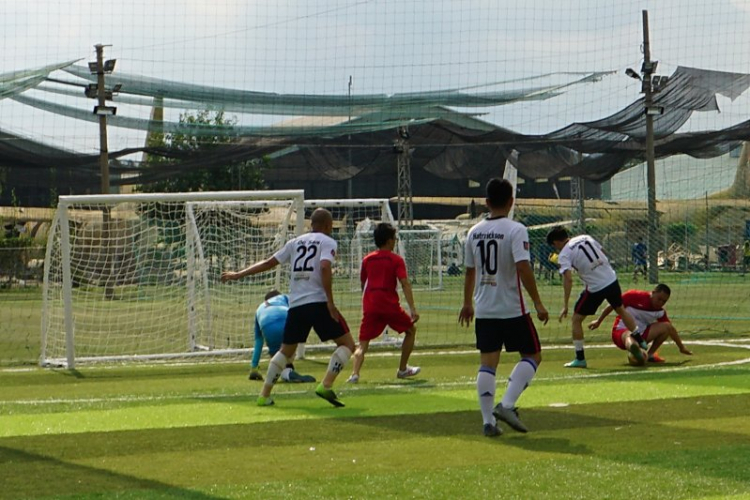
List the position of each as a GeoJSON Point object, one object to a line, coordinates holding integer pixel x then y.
{"type": "Point", "coordinates": [497, 259]}
{"type": "Point", "coordinates": [586, 256]}
{"type": "Point", "coordinates": [311, 304]}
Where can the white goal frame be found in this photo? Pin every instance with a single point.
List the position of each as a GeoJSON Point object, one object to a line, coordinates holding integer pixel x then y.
{"type": "Point", "coordinates": [61, 223]}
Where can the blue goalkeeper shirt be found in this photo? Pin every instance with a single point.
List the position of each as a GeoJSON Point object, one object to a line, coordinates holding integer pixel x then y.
{"type": "Point", "coordinates": [270, 318]}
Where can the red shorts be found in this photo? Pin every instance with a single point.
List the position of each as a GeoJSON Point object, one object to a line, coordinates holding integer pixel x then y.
{"type": "Point", "coordinates": [373, 323]}
{"type": "Point", "coordinates": [617, 336]}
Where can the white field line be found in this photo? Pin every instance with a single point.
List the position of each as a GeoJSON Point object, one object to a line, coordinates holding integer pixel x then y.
{"type": "Point", "coordinates": [743, 343]}
{"type": "Point", "coordinates": [348, 388]}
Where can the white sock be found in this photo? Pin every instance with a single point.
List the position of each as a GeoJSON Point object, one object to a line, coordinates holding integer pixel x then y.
{"type": "Point", "coordinates": [339, 359]}
{"type": "Point", "coordinates": [301, 350]}
{"type": "Point", "coordinates": [275, 367]}
{"type": "Point", "coordinates": [518, 381]}
{"type": "Point", "coordinates": [578, 345]}
{"type": "Point", "coordinates": [285, 374]}
{"type": "Point", "coordinates": [486, 382]}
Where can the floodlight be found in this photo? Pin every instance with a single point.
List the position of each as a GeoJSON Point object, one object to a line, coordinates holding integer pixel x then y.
{"type": "Point", "coordinates": [655, 110]}
{"type": "Point", "coordinates": [632, 74]}
{"type": "Point", "coordinates": [91, 90]}
{"type": "Point", "coordinates": [117, 88]}
{"type": "Point", "coordinates": [94, 67]}
{"type": "Point", "coordinates": [649, 67]}
{"type": "Point", "coordinates": [105, 110]}
{"type": "Point", "coordinates": [109, 65]}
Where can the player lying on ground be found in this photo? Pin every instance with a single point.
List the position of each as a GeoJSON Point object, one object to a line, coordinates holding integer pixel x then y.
{"type": "Point", "coordinates": [381, 271]}
{"type": "Point", "coordinates": [270, 318]}
{"type": "Point", "coordinates": [647, 308]}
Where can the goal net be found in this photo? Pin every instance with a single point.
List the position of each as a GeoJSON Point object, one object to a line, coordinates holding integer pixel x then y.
{"type": "Point", "coordinates": [133, 277]}
{"type": "Point", "coordinates": [354, 223]}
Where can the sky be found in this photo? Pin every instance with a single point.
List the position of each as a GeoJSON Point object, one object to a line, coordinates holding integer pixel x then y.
{"type": "Point", "coordinates": [385, 46]}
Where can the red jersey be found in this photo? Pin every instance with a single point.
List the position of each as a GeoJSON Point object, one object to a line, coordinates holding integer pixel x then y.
{"type": "Point", "coordinates": [380, 273]}
{"type": "Point", "coordinates": [638, 304]}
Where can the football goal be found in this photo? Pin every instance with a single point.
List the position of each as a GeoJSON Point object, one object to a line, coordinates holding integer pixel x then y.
{"type": "Point", "coordinates": [137, 277]}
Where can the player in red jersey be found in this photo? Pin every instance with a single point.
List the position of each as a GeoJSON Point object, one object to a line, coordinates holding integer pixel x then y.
{"type": "Point", "coordinates": [381, 271]}
{"type": "Point", "coordinates": [647, 308]}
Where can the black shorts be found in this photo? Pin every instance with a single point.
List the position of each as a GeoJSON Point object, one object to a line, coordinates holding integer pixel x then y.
{"type": "Point", "coordinates": [589, 302]}
{"type": "Point", "coordinates": [300, 319]}
{"type": "Point", "coordinates": [516, 334]}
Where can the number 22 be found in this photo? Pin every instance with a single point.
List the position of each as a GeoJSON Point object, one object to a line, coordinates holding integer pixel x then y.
{"type": "Point", "coordinates": [302, 262]}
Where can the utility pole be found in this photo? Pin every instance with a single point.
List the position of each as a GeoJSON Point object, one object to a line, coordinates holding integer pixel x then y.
{"type": "Point", "coordinates": [647, 71]}
{"type": "Point", "coordinates": [349, 187]}
{"type": "Point", "coordinates": [99, 92]}
{"type": "Point", "coordinates": [102, 101]}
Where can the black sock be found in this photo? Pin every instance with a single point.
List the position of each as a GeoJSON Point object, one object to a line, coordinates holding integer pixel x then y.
{"type": "Point", "coordinates": [580, 356]}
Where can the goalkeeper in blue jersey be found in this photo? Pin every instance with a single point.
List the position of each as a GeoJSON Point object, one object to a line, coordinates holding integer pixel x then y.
{"type": "Point", "coordinates": [270, 318]}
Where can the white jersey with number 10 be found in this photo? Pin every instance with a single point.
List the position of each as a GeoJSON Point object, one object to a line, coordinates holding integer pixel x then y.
{"type": "Point", "coordinates": [304, 254]}
{"type": "Point", "coordinates": [493, 247]}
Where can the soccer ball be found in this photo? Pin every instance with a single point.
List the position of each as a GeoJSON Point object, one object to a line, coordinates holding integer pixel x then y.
{"type": "Point", "coordinates": [634, 362]}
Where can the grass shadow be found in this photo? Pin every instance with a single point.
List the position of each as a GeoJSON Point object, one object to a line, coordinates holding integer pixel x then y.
{"type": "Point", "coordinates": [21, 471]}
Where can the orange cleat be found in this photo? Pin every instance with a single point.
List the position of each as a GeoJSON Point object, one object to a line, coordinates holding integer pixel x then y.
{"type": "Point", "coordinates": [655, 358]}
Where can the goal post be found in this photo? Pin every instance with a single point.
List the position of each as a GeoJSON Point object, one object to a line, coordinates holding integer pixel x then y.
{"type": "Point", "coordinates": [131, 277]}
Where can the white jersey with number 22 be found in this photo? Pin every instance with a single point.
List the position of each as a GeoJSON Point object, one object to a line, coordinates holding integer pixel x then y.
{"type": "Point", "coordinates": [304, 254]}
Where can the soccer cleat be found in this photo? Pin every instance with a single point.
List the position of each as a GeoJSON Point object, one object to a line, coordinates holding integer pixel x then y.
{"type": "Point", "coordinates": [328, 395]}
{"type": "Point", "coordinates": [577, 363]}
{"type": "Point", "coordinates": [255, 375]}
{"type": "Point", "coordinates": [409, 372]}
{"type": "Point", "coordinates": [510, 417]}
{"type": "Point", "coordinates": [655, 358]}
{"type": "Point", "coordinates": [492, 430]}
{"type": "Point", "coordinates": [352, 379]}
{"type": "Point", "coordinates": [264, 401]}
{"type": "Point", "coordinates": [297, 378]}
{"type": "Point", "coordinates": [637, 353]}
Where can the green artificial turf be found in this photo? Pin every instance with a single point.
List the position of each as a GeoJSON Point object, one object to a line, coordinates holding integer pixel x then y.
{"type": "Point", "coordinates": [678, 430]}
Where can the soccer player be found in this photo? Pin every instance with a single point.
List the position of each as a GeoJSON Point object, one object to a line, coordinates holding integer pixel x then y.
{"type": "Point", "coordinates": [381, 271]}
{"type": "Point", "coordinates": [496, 258]}
{"type": "Point", "coordinates": [270, 318]}
{"type": "Point", "coordinates": [647, 308]}
{"type": "Point", "coordinates": [584, 254]}
{"type": "Point", "coordinates": [639, 259]}
{"type": "Point", "coordinates": [311, 303]}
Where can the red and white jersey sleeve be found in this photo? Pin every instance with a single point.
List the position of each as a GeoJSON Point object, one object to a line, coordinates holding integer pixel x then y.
{"type": "Point", "coordinates": [585, 255]}
{"type": "Point", "coordinates": [493, 247]}
{"type": "Point", "coordinates": [638, 304]}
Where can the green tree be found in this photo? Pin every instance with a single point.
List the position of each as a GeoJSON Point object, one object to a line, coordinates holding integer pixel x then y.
{"type": "Point", "coordinates": [237, 176]}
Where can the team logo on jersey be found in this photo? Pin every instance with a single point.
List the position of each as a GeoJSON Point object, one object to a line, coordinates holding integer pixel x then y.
{"type": "Point", "coordinates": [526, 245]}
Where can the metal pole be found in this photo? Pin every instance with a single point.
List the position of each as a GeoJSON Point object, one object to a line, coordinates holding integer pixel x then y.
{"type": "Point", "coordinates": [349, 187]}
{"type": "Point", "coordinates": [653, 269]}
{"type": "Point", "coordinates": [101, 95]}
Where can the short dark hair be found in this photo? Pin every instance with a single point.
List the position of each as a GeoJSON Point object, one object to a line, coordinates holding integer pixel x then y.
{"type": "Point", "coordinates": [558, 233]}
{"type": "Point", "coordinates": [499, 192]}
{"type": "Point", "coordinates": [661, 287]}
{"type": "Point", "coordinates": [382, 233]}
{"type": "Point", "coordinates": [272, 294]}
